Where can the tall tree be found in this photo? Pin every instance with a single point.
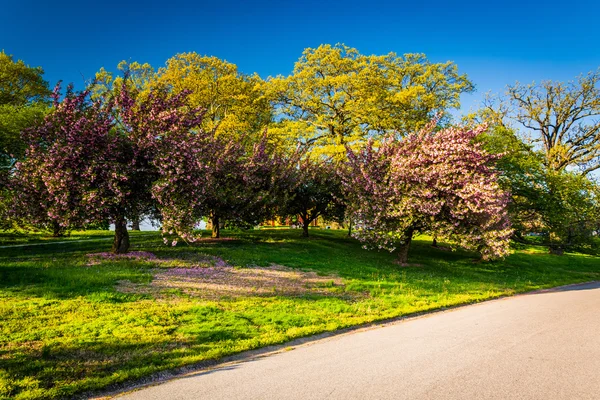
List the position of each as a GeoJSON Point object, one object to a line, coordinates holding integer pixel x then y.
{"type": "Point", "coordinates": [235, 103]}
{"type": "Point", "coordinates": [24, 99]}
{"type": "Point", "coordinates": [562, 118]}
{"type": "Point", "coordinates": [441, 182]}
{"type": "Point", "coordinates": [337, 96]}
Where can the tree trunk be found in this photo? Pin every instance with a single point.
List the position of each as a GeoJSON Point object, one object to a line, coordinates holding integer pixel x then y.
{"type": "Point", "coordinates": [349, 228]}
{"type": "Point", "coordinates": [434, 242]}
{"type": "Point", "coordinates": [216, 228]}
{"type": "Point", "coordinates": [135, 224]}
{"type": "Point", "coordinates": [404, 247]}
{"type": "Point", "coordinates": [57, 230]}
{"type": "Point", "coordinates": [305, 225]}
{"type": "Point", "coordinates": [556, 250]}
{"type": "Point", "coordinates": [121, 240]}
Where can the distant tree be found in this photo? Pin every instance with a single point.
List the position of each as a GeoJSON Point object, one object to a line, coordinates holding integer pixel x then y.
{"type": "Point", "coordinates": [561, 117]}
{"type": "Point", "coordinates": [138, 77]}
{"type": "Point", "coordinates": [440, 182]}
{"type": "Point", "coordinates": [562, 206]}
{"type": "Point", "coordinates": [521, 173]}
{"type": "Point", "coordinates": [219, 178]}
{"type": "Point", "coordinates": [24, 99]}
{"type": "Point", "coordinates": [316, 192]}
{"type": "Point", "coordinates": [570, 211]}
{"type": "Point", "coordinates": [337, 96]}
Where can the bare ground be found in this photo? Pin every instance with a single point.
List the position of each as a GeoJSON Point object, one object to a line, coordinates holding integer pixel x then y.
{"type": "Point", "coordinates": [211, 278]}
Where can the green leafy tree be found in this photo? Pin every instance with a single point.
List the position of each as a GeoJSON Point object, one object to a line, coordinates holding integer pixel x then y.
{"type": "Point", "coordinates": [571, 211]}
{"type": "Point", "coordinates": [562, 206]}
{"type": "Point", "coordinates": [24, 99]}
{"type": "Point", "coordinates": [316, 192]}
{"type": "Point", "coordinates": [235, 103]}
{"type": "Point", "coordinates": [337, 97]}
{"type": "Point", "coordinates": [522, 174]}
{"type": "Point", "coordinates": [562, 118]}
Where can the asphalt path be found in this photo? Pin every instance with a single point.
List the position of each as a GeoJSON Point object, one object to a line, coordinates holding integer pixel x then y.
{"type": "Point", "coordinates": [536, 346]}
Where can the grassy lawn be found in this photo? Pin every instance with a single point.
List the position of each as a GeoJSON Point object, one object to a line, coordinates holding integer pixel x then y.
{"type": "Point", "coordinates": [8, 239]}
{"type": "Point", "coordinates": [72, 323]}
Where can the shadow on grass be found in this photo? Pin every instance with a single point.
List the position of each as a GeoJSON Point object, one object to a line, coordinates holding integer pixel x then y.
{"type": "Point", "coordinates": [61, 271]}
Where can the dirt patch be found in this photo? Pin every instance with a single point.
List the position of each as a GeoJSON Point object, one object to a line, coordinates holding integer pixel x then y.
{"type": "Point", "coordinates": [211, 278]}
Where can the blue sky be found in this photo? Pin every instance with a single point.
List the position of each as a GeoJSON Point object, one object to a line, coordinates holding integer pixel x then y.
{"type": "Point", "coordinates": [495, 43]}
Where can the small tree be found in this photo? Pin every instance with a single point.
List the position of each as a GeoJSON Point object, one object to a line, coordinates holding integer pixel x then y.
{"type": "Point", "coordinates": [316, 192]}
{"type": "Point", "coordinates": [440, 182]}
{"type": "Point", "coordinates": [219, 178]}
{"type": "Point", "coordinates": [569, 207]}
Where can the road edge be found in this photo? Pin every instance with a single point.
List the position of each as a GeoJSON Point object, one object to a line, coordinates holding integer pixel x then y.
{"type": "Point", "coordinates": [255, 354]}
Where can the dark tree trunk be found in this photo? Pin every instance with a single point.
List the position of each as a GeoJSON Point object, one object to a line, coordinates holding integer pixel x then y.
{"type": "Point", "coordinates": [135, 224]}
{"type": "Point", "coordinates": [216, 228]}
{"type": "Point", "coordinates": [557, 250]}
{"type": "Point", "coordinates": [121, 240]}
{"type": "Point", "coordinates": [305, 225]}
{"type": "Point", "coordinates": [349, 228]}
{"type": "Point", "coordinates": [434, 242]}
{"type": "Point", "coordinates": [57, 230]}
{"type": "Point", "coordinates": [404, 247]}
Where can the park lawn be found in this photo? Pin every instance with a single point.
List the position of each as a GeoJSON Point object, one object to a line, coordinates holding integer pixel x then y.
{"type": "Point", "coordinates": [7, 239]}
{"type": "Point", "coordinates": [72, 324]}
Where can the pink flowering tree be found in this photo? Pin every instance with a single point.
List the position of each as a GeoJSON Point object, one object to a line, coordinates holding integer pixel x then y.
{"type": "Point", "coordinates": [205, 176]}
{"type": "Point", "coordinates": [168, 138]}
{"type": "Point", "coordinates": [97, 160]}
{"type": "Point", "coordinates": [83, 167]}
{"type": "Point", "coordinates": [438, 182]}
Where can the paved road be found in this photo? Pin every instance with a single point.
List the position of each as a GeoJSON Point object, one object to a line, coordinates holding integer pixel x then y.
{"type": "Point", "coordinates": [537, 346]}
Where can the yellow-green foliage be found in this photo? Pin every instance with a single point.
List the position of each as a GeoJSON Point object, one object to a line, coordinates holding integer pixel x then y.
{"type": "Point", "coordinates": [234, 102]}
{"type": "Point", "coordinates": [337, 96]}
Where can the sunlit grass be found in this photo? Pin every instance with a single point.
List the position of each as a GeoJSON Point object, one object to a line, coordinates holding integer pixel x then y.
{"type": "Point", "coordinates": [65, 328]}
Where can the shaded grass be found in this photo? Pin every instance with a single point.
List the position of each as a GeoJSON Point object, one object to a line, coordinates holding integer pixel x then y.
{"type": "Point", "coordinates": [65, 329]}
{"type": "Point", "coordinates": [19, 238]}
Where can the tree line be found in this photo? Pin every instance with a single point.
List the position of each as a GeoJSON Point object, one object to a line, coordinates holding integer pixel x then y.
{"type": "Point", "coordinates": [361, 139]}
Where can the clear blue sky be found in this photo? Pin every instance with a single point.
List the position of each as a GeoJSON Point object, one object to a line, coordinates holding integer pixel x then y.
{"type": "Point", "coordinates": [495, 43]}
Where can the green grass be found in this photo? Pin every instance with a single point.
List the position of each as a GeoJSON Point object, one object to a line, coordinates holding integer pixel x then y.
{"type": "Point", "coordinates": [11, 238]}
{"type": "Point", "coordinates": [65, 329]}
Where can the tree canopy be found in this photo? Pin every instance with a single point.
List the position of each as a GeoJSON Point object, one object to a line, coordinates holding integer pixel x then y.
{"type": "Point", "coordinates": [234, 102]}
{"type": "Point", "coordinates": [24, 98]}
{"type": "Point", "coordinates": [561, 116]}
{"type": "Point", "coordinates": [441, 182]}
{"type": "Point", "coordinates": [337, 96]}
